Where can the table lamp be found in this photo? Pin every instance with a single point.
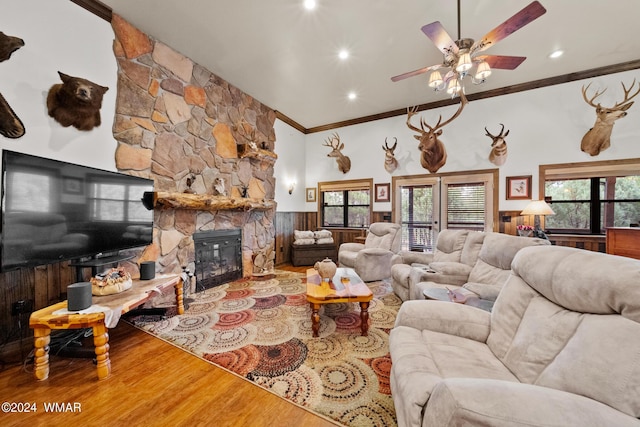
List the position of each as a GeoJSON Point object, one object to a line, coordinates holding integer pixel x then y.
{"type": "Point", "coordinates": [537, 208]}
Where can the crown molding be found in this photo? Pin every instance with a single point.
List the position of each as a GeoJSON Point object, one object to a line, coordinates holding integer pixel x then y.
{"type": "Point", "coordinates": [96, 7]}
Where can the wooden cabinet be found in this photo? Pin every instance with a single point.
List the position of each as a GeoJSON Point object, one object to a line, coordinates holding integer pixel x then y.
{"type": "Point", "coordinates": [624, 241]}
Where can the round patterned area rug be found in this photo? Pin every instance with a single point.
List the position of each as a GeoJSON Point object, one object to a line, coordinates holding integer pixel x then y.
{"type": "Point", "coordinates": [261, 330]}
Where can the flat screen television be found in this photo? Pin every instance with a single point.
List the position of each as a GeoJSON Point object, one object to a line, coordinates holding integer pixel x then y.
{"type": "Point", "coordinates": [54, 211]}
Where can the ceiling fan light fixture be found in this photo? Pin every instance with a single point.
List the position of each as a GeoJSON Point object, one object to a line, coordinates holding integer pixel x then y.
{"type": "Point", "coordinates": [483, 71]}
{"type": "Point", "coordinates": [464, 63]}
{"type": "Point", "coordinates": [435, 80]}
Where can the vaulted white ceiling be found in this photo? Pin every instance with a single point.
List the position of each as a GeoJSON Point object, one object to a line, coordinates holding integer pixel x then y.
{"type": "Point", "coordinates": [287, 57]}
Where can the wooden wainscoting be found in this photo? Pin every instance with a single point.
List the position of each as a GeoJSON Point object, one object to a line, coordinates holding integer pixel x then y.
{"type": "Point", "coordinates": [588, 242]}
{"type": "Point", "coordinates": [509, 220]}
{"type": "Point", "coordinates": [39, 287]}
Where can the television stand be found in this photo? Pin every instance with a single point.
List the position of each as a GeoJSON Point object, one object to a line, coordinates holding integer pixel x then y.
{"type": "Point", "coordinates": [94, 263]}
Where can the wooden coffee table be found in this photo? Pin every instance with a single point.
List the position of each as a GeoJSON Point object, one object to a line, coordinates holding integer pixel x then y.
{"type": "Point", "coordinates": [345, 286]}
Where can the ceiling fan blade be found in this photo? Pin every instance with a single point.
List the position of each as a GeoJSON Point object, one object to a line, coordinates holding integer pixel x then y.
{"type": "Point", "coordinates": [415, 73]}
{"type": "Point", "coordinates": [501, 62]}
{"type": "Point", "coordinates": [533, 11]}
{"type": "Point", "coordinates": [439, 36]}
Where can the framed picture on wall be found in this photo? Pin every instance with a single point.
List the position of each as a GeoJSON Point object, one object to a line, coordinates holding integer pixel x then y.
{"type": "Point", "coordinates": [311, 194]}
{"type": "Point", "coordinates": [519, 187]}
{"type": "Point", "coordinates": [72, 185]}
{"type": "Point", "coordinates": [382, 192]}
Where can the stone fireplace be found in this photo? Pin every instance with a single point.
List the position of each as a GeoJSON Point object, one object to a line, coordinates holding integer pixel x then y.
{"type": "Point", "coordinates": [207, 145]}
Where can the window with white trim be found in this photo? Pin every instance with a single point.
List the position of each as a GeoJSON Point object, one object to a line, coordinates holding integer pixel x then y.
{"type": "Point", "coordinates": [425, 204]}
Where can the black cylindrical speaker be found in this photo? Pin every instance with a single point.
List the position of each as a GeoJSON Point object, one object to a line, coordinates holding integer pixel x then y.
{"type": "Point", "coordinates": [147, 270]}
{"type": "Point", "coordinates": [79, 296]}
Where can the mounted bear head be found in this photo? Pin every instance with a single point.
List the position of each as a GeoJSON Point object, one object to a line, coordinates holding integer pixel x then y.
{"type": "Point", "coordinates": [8, 45]}
{"type": "Point", "coordinates": [76, 102]}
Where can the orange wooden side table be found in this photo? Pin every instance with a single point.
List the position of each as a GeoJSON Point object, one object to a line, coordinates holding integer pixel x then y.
{"type": "Point", "coordinates": [104, 311]}
{"type": "Point", "coordinates": [346, 286]}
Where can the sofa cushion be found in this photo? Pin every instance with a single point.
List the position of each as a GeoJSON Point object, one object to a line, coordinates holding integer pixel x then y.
{"type": "Point", "coordinates": [383, 235]}
{"type": "Point", "coordinates": [449, 245]}
{"type": "Point", "coordinates": [486, 402]}
{"type": "Point", "coordinates": [472, 246]}
{"type": "Point", "coordinates": [422, 358]}
{"type": "Point", "coordinates": [494, 260]}
{"type": "Point", "coordinates": [544, 342]}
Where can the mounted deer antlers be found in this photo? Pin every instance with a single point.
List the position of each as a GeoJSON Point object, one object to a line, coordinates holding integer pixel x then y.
{"type": "Point", "coordinates": [344, 162]}
{"type": "Point", "coordinates": [498, 155]}
{"type": "Point", "coordinates": [434, 155]}
{"type": "Point", "coordinates": [598, 138]}
{"type": "Point", "coordinates": [390, 162]}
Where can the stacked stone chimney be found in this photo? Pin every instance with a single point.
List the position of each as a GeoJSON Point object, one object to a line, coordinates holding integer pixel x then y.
{"type": "Point", "coordinates": [176, 121]}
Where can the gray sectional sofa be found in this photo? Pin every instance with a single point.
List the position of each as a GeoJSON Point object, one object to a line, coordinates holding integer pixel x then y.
{"type": "Point", "coordinates": [474, 263]}
{"type": "Point", "coordinates": [560, 348]}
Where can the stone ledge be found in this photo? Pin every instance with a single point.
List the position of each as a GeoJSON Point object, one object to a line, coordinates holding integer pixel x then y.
{"type": "Point", "coordinates": [203, 202]}
{"type": "Point", "coordinates": [245, 151]}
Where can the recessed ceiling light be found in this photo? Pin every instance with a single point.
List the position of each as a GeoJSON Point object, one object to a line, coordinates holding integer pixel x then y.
{"type": "Point", "coordinates": [352, 95]}
{"type": "Point", "coordinates": [310, 4]}
{"type": "Point", "coordinates": [343, 54]}
{"type": "Point", "coordinates": [556, 54]}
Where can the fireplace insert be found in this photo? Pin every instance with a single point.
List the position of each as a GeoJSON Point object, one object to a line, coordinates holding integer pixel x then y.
{"type": "Point", "coordinates": [218, 257]}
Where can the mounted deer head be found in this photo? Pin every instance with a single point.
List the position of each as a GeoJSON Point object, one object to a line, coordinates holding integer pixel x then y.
{"type": "Point", "coordinates": [598, 138]}
{"type": "Point", "coordinates": [344, 162]}
{"type": "Point", "coordinates": [390, 162]}
{"type": "Point", "coordinates": [434, 155]}
{"type": "Point", "coordinates": [498, 155]}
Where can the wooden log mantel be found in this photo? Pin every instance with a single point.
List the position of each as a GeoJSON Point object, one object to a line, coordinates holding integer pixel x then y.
{"type": "Point", "coordinates": [203, 202]}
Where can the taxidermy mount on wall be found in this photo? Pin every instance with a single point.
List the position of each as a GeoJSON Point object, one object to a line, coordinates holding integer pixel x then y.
{"type": "Point", "coordinates": [434, 154]}
{"type": "Point", "coordinates": [498, 155]}
{"type": "Point", "coordinates": [10, 125]}
{"type": "Point", "coordinates": [344, 162]}
{"type": "Point", "coordinates": [76, 102]}
{"type": "Point", "coordinates": [598, 138]}
{"type": "Point", "coordinates": [390, 161]}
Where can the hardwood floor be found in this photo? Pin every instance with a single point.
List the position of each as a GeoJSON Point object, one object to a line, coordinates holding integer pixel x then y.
{"type": "Point", "coordinates": [152, 383]}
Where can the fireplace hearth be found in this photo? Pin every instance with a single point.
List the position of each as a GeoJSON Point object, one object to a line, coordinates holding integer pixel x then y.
{"type": "Point", "coordinates": [218, 257]}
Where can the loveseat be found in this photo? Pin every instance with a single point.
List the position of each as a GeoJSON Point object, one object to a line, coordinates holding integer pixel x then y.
{"type": "Point", "coordinates": [474, 263]}
{"type": "Point", "coordinates": [560, 348]}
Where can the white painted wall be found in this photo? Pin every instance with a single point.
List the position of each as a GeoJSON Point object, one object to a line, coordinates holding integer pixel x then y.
{"type": "Point", "coordinates": [546, 126]}
{"type": "Point", "coordinates": [290, 167]}
{"type": "Point", "coordinates": [58, 36]}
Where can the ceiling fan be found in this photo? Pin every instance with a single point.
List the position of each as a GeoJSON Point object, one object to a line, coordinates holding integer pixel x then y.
{"type": "Point", "coordinates": [461, 55]}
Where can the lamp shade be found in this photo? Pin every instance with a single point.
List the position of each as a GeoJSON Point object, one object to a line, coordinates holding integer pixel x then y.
{"type": "Point", "coordinates": [538, 207]}
{"type": "Point", "coordinates": [483, 71]}
{"type": "Point", "coordinates": [454, 86]}
{"type": "Point", "coordinates": [435, 79]}
{"type": "Point", "coordinates": [464, 63]}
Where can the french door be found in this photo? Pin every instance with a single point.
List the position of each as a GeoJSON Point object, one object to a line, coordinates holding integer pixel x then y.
{"type": "Point", "coordinates": [423, 205]}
